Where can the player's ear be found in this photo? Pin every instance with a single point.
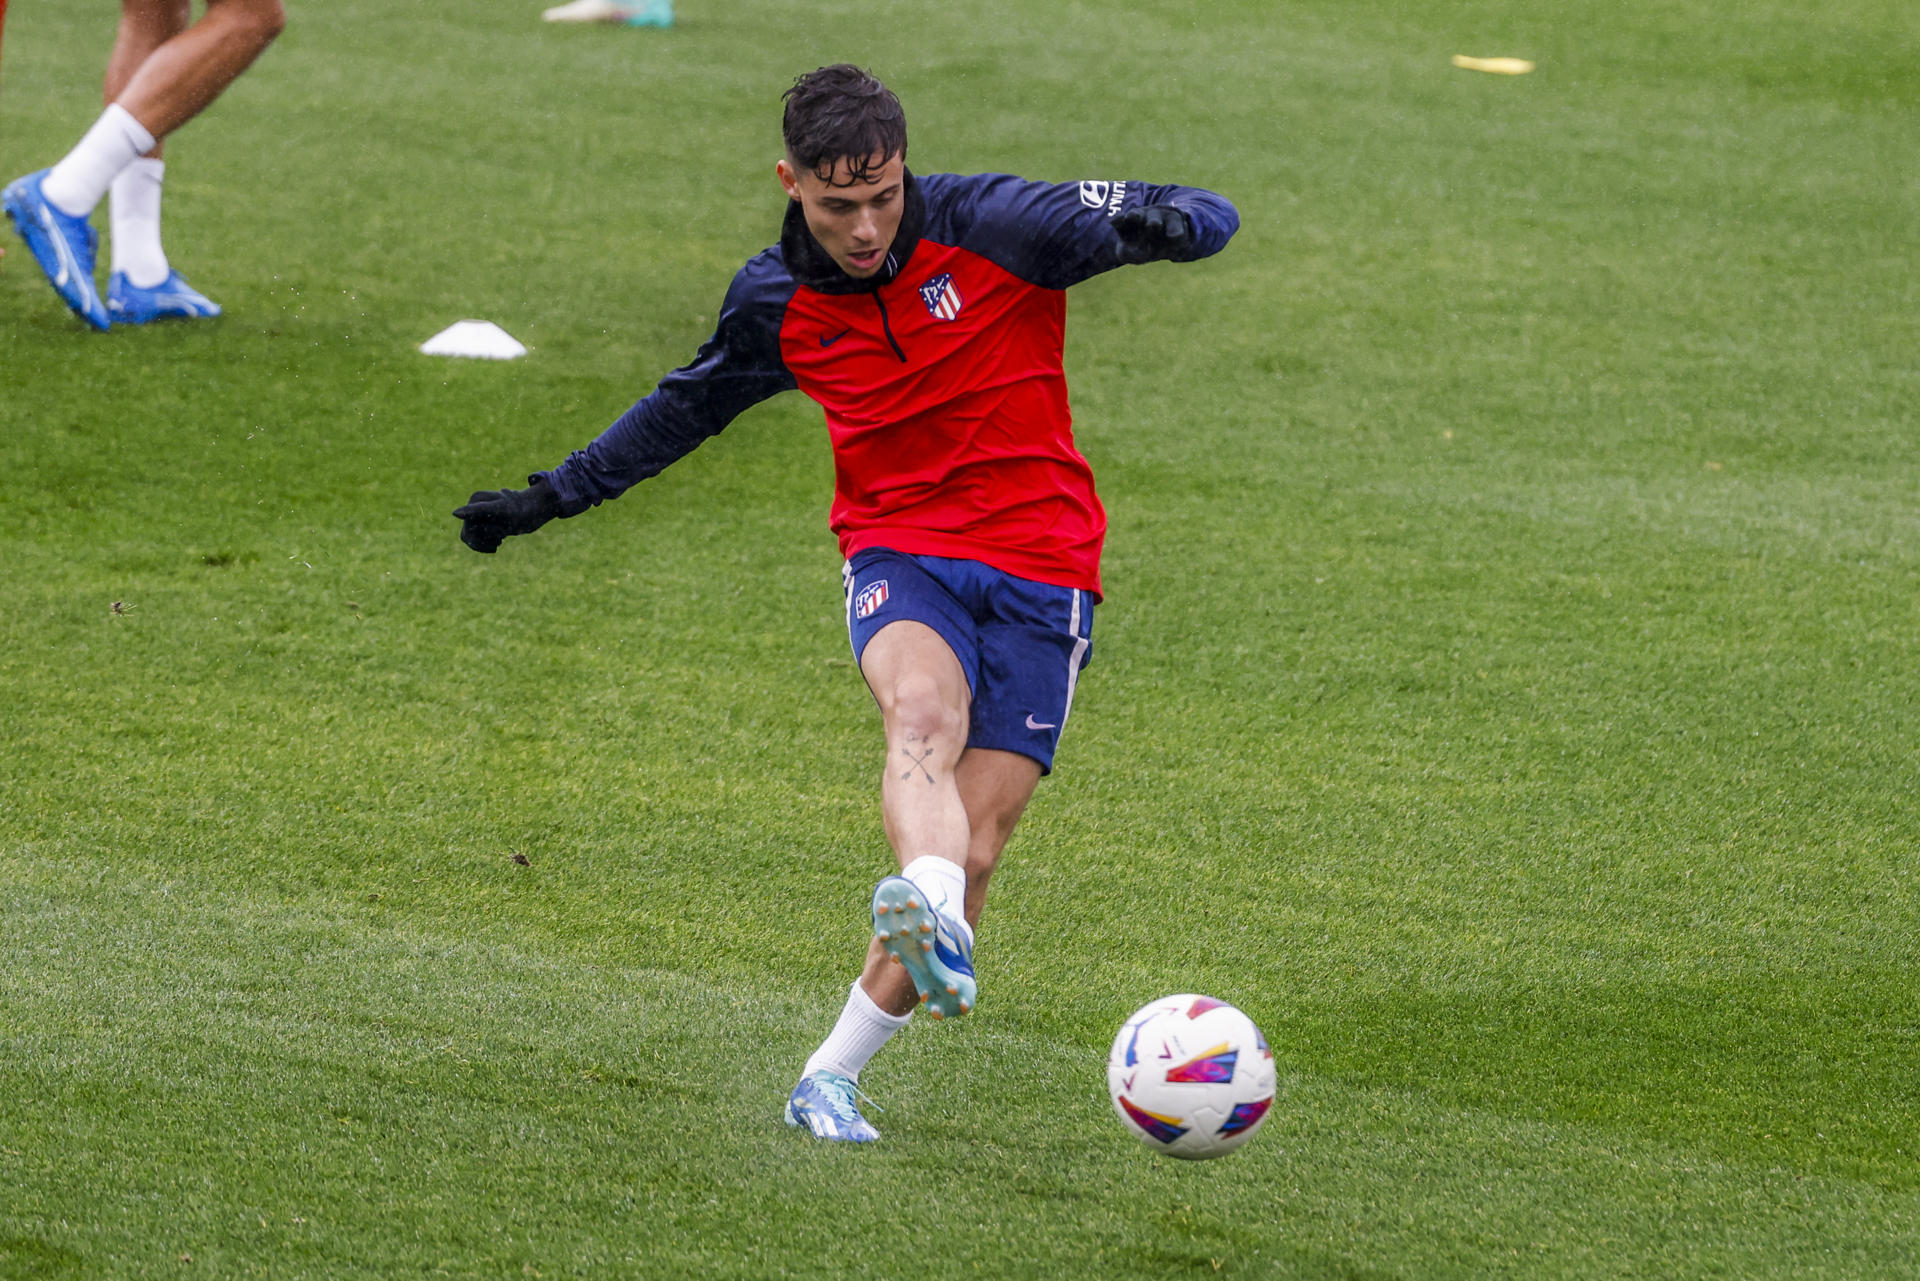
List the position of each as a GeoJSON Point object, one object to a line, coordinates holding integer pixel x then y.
{"type": "Point", "coordinates": [788, 179]}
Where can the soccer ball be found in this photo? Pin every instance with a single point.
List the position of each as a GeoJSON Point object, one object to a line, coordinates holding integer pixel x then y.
{"type": "Point", "coordinates": [1191, 1076]}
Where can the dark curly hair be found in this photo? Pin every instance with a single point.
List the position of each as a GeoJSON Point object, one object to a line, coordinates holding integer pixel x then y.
{"type": "Point", "coordinates": [838, 119]}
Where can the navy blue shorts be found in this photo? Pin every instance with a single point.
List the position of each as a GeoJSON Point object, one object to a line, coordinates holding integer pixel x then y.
{"type": "Point", "coordinates": [1021, 643]}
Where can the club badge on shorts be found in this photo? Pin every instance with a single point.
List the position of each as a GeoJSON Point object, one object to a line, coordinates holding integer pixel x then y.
{"type": "Point", "coordinates": [942, 299]}
{"type": "Point", "coordinates": [871, 597]}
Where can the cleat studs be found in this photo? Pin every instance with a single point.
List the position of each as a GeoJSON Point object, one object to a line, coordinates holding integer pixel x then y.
{"type": "Point", "coordinates": [913, 904]}
{"type": "Point", "coordinates": [964, 1007]}
{"type": "Point", "coordinates": [925, 946]}
{"type": "Point", "coordinates": [952, 990]}
{"type": "Point", "coordinates": [883, 936]}
{"type": "Point", "coordinates": [926, 927]}
{"type": "Point", "coordinates": [933, 1011]}
{"type": "Point", "coordinates": [882, 910]}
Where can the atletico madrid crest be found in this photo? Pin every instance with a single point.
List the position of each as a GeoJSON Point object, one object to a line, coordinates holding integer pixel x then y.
{"type": "Point", "coordinates": [942, 299]}
{"type": "Point", "coordinates": [871, 598]}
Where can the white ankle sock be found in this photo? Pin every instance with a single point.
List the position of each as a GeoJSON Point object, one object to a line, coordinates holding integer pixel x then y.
{"type": "Point", "coordinates": [133, 210]}
{"type": "Point", "coordinates": [78, 182]}
{"type": "Point", "coordinates": [945, 883]}
{"type": "Point", "coordinates": [863, 1028]}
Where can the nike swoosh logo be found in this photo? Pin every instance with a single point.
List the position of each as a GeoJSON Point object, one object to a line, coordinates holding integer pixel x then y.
{"type": "Point", "coordinates": [1033, 724]}
{"type": "Point", "coordinates": [828, 340]}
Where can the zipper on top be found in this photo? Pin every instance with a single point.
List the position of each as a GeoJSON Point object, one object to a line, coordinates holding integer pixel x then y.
{"type": "Point", "coordinates": [887, 328]}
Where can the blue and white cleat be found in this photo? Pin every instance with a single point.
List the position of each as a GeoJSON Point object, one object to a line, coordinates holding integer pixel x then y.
{"type": "Point", "coordinates": [171, 299]}
{"type": "Point", "coordinates": [62, 244]}
{"type": "Point", "coordinates": [825, 1103]}
{"type": "Point", "coordinates": [649, 13]}
{"type": "Point", "coordinates": [633, 13]}
{"type": "Point", "coordinates": [937, 951]}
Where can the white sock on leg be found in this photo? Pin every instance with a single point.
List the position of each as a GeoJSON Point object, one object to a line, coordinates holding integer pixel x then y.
{"type": "Point", "coordinates": [862, 1029]}
{"type": "Point", "coordinates": [133, 210]}
{"type": "Point", "coordinates": [945, 883]}
{"type": "Point", "coordinates": [77, 183]}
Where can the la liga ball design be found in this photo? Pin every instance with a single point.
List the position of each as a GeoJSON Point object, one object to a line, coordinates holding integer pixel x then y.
{"type": "Point", "coordinates": [1191, 1076]}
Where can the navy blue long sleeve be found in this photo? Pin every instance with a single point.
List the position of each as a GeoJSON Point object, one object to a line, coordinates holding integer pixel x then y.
{"type": "Point", "coordinates": [736, 369]}
{"type": "Point", "coordinates": [1059, 234]}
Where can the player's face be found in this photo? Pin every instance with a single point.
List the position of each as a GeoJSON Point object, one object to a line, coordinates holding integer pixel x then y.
{"type": "Point", "coordinates": [856, 224]}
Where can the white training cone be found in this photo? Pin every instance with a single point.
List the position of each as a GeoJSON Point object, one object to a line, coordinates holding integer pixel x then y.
{"type": "Point", "coordinates": [481, 339]}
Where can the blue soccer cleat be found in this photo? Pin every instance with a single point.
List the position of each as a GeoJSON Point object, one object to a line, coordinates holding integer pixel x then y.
{"type": "Point", "coordinates": [633, 13]}
{"type": "Point", "coordinates": [649, 13]}
{"type": "Point", "coordinates": [171, 299]}
{"type": "Point", "coordinates": [825, 1103]}
{"type": "Point", "coordinates": [937, 951]}
{"type": "Point", "coordinates": [62, 244]}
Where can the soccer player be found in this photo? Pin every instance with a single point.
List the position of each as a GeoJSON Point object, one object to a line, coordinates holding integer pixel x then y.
{"type": "Point", "coordinates": [162, 73]}
{"type": "Point", "coordinates": [925, 314]}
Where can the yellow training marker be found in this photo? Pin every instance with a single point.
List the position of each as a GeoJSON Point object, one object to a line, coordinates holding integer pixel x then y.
{"type": "Point", "coordinates": [1498, 66]}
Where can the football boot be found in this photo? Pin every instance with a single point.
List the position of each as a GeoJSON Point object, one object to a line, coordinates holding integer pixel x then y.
{"type": "Point", "coordinates": [936, 949]}
{"type": "Point", "coordinates": [826, 1103]}
{"type": "Point", "coordinates": [62, 244]}
{"type": "Point", "coordinates": [171, 299]}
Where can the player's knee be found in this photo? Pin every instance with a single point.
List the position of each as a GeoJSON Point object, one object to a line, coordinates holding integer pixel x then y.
{"type": "Point", "coordinates": [918, 709]}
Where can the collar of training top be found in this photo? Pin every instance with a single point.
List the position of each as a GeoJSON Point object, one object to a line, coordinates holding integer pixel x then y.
{"type": "Point", "coordinates": [809, 263]}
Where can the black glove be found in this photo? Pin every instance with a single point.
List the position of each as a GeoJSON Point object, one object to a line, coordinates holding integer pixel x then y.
{"type": "Point", "coordinates": [495, 514]}
{"type": "Point", "coordinates": [1152, 233]}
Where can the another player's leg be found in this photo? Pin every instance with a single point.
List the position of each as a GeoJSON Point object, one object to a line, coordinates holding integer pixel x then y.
{"type": "Point", "coordinates": [178, 77]}
{"type": "Point", "coordinates": [142, 285]}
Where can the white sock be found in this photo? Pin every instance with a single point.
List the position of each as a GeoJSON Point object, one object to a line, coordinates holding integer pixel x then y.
{"type": "Point", "coordinates": [945, 884]}
{"type": "Point", "coordinates": [863, 1028]}
{"type": "Point", "coordinates": [133, 210]}
{"type": "Point", "coordinates": [78, 182]}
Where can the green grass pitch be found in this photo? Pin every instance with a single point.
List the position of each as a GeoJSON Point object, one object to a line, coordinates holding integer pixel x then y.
{"type": "Point", "coordinates": [1507, 690]}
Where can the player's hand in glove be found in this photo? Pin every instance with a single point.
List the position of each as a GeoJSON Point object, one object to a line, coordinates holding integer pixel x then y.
{"type": "Point", "coordinates": [496, 514]}
{"type": "Point", "coordinates": [1153, 233]}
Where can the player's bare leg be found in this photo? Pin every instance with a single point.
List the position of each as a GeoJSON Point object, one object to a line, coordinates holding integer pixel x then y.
{"type": "Point", "coordinates": [145, 25]}
{"type": "Point", "coordinates": [924, 706]}
{"type": "Point", "coordinates": [994, 790]}
{"type": "Point", "coordinates": [178, 78]}
{"type": "Point", "coordinates": [140, 271]}
{"type": "Point", "coordinates": [163, 72]}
